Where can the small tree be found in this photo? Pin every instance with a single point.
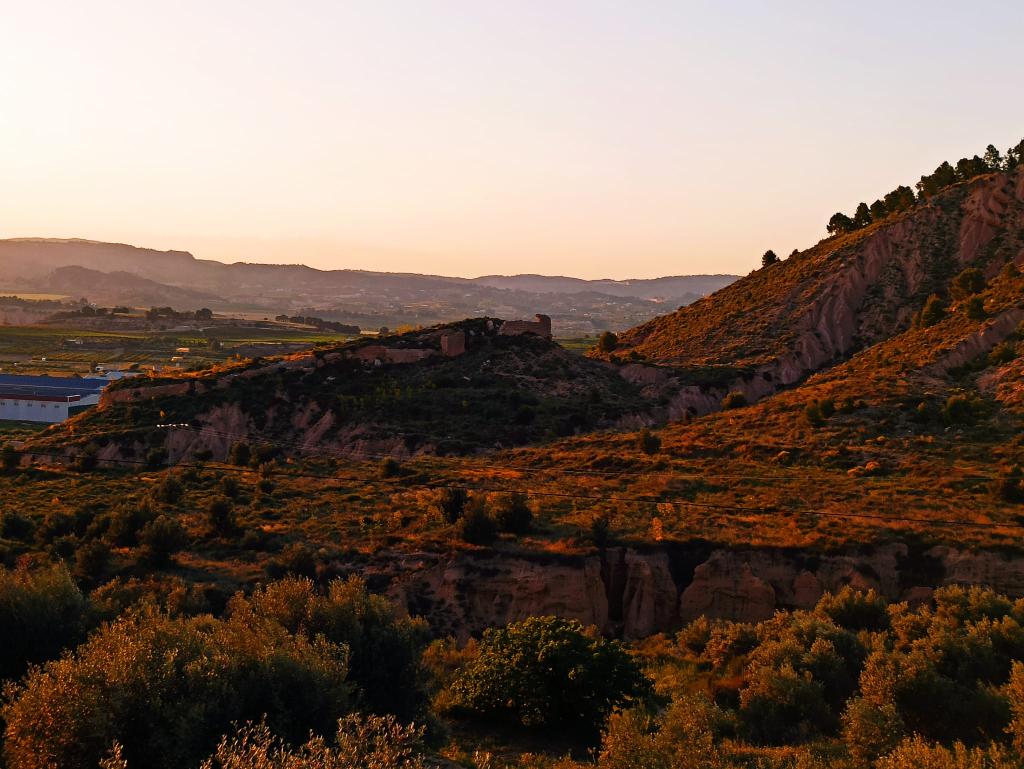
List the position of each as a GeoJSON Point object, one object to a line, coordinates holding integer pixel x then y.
{"type": "Point", "coordinates": [607, 342]}
{"type": "Point", "coordinates": [769, 258]}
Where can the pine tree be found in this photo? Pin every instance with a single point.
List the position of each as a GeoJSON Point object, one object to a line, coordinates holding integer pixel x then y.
{"type": "Point", "coordinates": [862, 217]}
{"type": "Point", "coordinates": [993, 159]}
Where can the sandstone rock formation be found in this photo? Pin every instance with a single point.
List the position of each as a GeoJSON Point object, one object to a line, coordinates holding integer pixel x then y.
{"type": "Point", "coordinates": [634, 594]}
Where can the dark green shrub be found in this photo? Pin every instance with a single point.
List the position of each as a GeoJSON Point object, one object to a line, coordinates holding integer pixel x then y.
{"type": "Point", "coordinates": [812, 412]}
{"type": "Point", "coordinates": [87, 460]}
{"type": "Point", "coordinates": [780, 705]}
{"type": "Point", "coordinates": [55, 524]}
{"type": "Point", "coordinates": [124, 523]}
{"type": "Point", "coordinates": [451, 502]}
{"type": "Point", "coordinates": [476, 526]}
{"type": "Point", "coordinates": [969, 282]}
{"type": "Point", "coordinates": [384, 648]}
{"type": "Point", "coordinates": [854, 610]}
{"type": "Point", "coordinates": [389, 467]}
{"type": "Point", "coordinates": [961, 409]}
{"type": "Point", "coordinates": [241, 454]}
{"type": "Point", "coordinates": [511, 512]}
{"type": "Point", "coordinates": [160, 539]}
{"type": "Point", "coordinates": [934, 310]}
{"type": "Point", "coordinates": [648, 442]}
{"type": "Point", "coordinates": [229, 487]}
{"type": "Point", "coordinates": [870, 732]}
{"type": "Point", "coordinates": [974, 308]}
{"type": "Point", "coordinates": [92, 559]}
{"type": "Point", "coordinates": [547, 672]}
{"type": "Point", "coordinates": [1010, 487]}
{"type": "Point", "coordinates": [1002, 354]}
{"type": "Point", "coordinates": [156, 458]}
{"type": "Point", "coordinates": [295, 560]}
{"type": "Point", "coordinates": [607, 342]}
{"type": "Point", "coordinates": [10, 459]}
{"type": "Point", "coordinates": [601, 530]}
{"type": "Point", "coordinates": [169, 491]}
{"type": "Point", "coordinates": [220, 516]}
{"type": "Point", "coordinates": [734, 400]}
{"type": "Point", "coordinates": [14, 525]}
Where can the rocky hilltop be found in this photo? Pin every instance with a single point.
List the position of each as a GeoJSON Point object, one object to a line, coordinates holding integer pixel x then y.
{"type": "Point", "coordinates": [781, 323]}
{"type": "Point", "coordinates": [457, 388]}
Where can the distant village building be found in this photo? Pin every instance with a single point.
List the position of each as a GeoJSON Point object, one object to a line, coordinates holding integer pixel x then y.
{"type": "Point", "coordinates": [47, 398]}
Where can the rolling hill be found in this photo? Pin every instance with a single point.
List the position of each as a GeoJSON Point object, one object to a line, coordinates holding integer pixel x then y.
{"type": "Point", "coordinates": [370, 299]}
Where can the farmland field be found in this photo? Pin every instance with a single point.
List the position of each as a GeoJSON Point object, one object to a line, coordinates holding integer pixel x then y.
{"type": "Point", "coordinates": [71, 350]}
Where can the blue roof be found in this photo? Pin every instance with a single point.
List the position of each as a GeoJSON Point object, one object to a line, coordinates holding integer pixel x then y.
{"type": "Point", "coordinates": [59, 386]}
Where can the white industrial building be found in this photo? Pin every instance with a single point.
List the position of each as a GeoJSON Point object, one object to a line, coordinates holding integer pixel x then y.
{"type": "Point", "coordinates": [47, 398]}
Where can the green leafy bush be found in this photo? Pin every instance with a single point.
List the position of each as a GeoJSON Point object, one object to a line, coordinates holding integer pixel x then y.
{"type": "Point", "coordinates": [166, 689]}
{"type": "Point", "coordinates": [855, 610]}
{"type": "Point", "coordinates": [41, 613]}
{"type": "Point", "coordinates": [384, 650]}
{"type": "Point", "coordinates": [548, 672]}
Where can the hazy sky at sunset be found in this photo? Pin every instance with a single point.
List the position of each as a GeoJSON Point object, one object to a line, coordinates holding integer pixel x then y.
{"type": "Point", "coordinates": [597, 139]}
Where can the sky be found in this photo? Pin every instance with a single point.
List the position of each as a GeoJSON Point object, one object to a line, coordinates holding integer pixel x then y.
{"type": "Point", "coordinates": [469, 137]}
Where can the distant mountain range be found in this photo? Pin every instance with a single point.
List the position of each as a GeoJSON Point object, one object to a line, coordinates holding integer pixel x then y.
{"type": "Point", "coordinates": [115, 273]}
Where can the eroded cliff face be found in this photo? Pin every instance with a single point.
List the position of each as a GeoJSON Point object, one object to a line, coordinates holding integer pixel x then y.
{"type": "Point", "coordinates": [634, 594]}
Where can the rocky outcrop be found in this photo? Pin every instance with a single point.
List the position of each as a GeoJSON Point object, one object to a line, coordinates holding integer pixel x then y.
{"type": "Point", "coordinates": [635, 593]}
{"type": "Point", "coordinates": [982, 341]}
